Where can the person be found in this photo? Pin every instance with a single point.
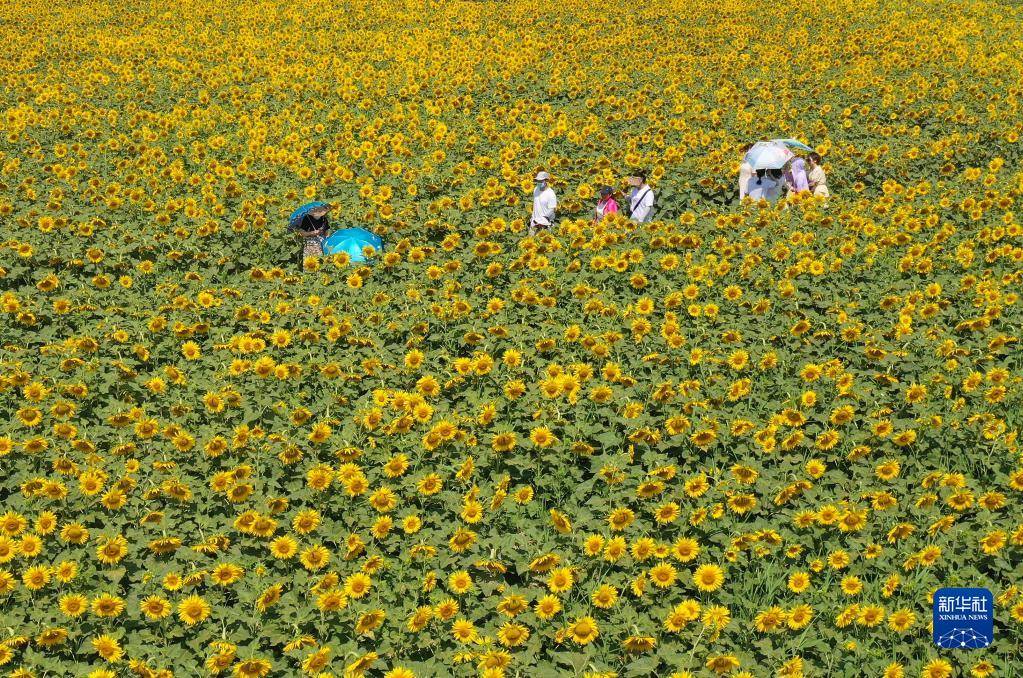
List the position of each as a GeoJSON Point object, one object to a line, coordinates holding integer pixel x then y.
{"type": "Point", "coordinates": [765, 185]}
{"type": "Point", "coordinates": [641, 199]}
{"type": "Point", "coordinates": [795, 176]}
{"type": "Point", "coordinates": [545, 202]}
{"type": "Point", "coordinates": [605, 205]}
{"type": "Point", "coordinates": [312, 230]}
{"type": "Point", "coordinates": [745, 172]}
{"type": "Point", "coordinates": [816, 179]}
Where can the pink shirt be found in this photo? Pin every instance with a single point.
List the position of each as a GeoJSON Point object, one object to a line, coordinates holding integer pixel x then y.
{"type": "Point", "coordinates": [604, 208]}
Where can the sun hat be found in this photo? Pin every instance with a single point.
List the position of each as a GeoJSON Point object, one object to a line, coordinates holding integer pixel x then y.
{"type": "Point", "coordinates": [542, 176]}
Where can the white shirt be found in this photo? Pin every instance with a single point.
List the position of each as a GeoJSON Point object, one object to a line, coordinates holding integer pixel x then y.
{"type": "Point", "coordinates": [745, 172]}
{"type": "Point", "coordinates": [818, 181]}
{"type": "Point", "coordinates": [544, 204]}
{"type": "Point", "coordinates": [768, 189]}
{"type": "Point", "coordinates": [641, 202]}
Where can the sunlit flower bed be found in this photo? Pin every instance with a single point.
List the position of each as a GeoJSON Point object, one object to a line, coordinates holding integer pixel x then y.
{"type": "Point", "coordinates": [740, 440]}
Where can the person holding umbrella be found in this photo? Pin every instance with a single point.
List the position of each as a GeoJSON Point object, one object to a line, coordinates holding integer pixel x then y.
{"type": "Point", "coordinates": [767, 158]}
{"type": "Point", "coordinates": [310, 224]}
{"type": "Point", "coordinates": [766, 184]}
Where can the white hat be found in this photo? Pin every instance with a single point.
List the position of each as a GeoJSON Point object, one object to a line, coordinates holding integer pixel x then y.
{"type": "Point", "coordinates": [542, 176]}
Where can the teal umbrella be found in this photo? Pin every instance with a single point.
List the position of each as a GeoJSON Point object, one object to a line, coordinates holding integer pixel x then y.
{"type": "Point", "coordinates": [792, 143]}
{"type": "Point", "coordinates": [352, 241]}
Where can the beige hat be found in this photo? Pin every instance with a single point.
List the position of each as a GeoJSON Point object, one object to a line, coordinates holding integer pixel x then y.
{"type": "Point", "coordinates": [543, 176]}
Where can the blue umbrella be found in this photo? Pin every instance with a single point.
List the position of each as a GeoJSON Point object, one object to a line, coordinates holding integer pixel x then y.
{"type": "Point", "coordinates": [352, 240]}
{"type": "Point", "coordinates": [296, 217]}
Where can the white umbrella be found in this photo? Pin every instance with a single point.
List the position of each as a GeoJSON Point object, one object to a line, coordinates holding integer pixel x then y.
{"type": "Point", "coordinates": [768, 155]}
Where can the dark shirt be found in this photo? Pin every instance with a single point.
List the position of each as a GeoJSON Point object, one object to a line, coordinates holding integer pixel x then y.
{"type": "Point", "coordinates": [312, 245]}
{"type": "Point", "coordinates": [311, 223]}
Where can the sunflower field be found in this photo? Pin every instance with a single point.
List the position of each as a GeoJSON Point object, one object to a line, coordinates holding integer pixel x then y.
{"type": "Point", "coordinates": [738, 441]}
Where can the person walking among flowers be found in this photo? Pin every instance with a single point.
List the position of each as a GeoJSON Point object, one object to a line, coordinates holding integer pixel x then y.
{"type": "Point", "coordinates": [641, 199]}
{"type": "Point", "coordinates": [605, 205]}
{"type": "Point", "coordinates": [545, 202]}
{"type": "Point", "coordinates": [312, 231]}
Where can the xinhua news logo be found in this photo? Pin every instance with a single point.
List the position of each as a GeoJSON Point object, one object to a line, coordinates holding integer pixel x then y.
{"type": "Point", "coordinates": [964, 619]}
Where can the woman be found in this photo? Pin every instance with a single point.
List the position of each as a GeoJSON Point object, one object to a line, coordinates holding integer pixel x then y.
{"type": "Point", "coordinates": [605, 205]}
{"type": "Point", "coordinates": [817, 179]}
{"type": "Point", "coordinates": [313, 231]}
{"type": "Point", "coordinates": [796, 179]}
{"type": "Point", "coordinates": [765, 185]}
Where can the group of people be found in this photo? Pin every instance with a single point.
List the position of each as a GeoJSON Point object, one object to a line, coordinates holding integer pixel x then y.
{"type": "Point", "coordinates": [545, 202]}
{"type": "Point", "coordinates": [799, 175]}
{"type": "Point", "coordinates": [311, 224]}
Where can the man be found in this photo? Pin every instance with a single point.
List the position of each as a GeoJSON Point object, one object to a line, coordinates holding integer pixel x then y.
{"type": "Point", "coordinates": [641, 199]}
{"type": "Point", "coordinates": [544, 204]}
